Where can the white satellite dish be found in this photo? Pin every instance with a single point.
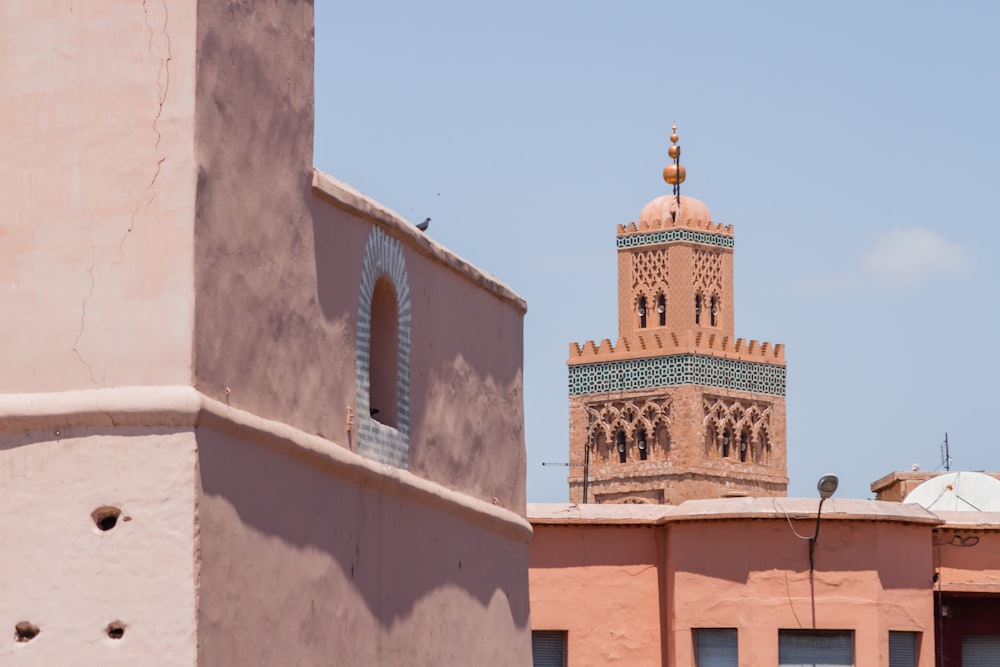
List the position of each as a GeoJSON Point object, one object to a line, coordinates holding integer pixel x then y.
{"type": "Point", "coordinates": [958, 491]}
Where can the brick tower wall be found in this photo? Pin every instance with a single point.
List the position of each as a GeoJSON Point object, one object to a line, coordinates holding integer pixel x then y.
{"type": "Point", "coordinates": [684, 427]}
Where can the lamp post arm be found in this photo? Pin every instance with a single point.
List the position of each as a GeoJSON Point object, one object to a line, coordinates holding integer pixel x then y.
{"type": "Point", "coordinates": [812, 540]}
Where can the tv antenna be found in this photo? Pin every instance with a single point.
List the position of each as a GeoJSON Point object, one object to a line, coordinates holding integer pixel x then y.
{"type": "Point", "coordinates": [585, 465]}
{"type": "Point", "coordinates": [945, 453]}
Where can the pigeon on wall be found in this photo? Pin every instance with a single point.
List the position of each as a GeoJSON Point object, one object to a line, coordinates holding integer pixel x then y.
{"type": "Point", "coordinates": [424, 225]}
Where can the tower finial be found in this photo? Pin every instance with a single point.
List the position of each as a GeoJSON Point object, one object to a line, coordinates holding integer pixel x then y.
{"type": "Point", "coordinates": [675, 173]}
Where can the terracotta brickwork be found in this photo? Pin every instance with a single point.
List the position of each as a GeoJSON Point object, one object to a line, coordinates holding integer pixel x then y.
{"type": "Point", "coordinates": [677, 408]}
{"type": "Point", "coordinates": [674, 255]}
{"type": "Point", "coordinates": [683, 430]}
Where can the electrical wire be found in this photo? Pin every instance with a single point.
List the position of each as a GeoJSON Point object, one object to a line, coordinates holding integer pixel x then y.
{"type": "Point", "coordinates": [781, 509]}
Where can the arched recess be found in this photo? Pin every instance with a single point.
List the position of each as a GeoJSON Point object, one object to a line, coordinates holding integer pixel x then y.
{"type": "Point", "coordinates": [384, 266]}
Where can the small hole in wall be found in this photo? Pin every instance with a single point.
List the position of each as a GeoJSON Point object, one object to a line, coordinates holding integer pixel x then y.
{"type": "Point", "coordinates": [25, 631]}
{"type": "Point", "coordinates": [115, 630]}
{"type": "Point", "coordinates": [106, 518]}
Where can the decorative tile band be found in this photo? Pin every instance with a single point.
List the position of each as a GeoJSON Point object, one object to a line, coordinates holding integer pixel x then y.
{"type": "Point", "coordinates": [384, 256]}
{"type": "Point", "coordinates": [670, 235]}
{"type": "Point", "coordinates": [674, 370]}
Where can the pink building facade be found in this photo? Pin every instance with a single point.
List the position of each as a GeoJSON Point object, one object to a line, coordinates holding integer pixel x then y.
{"type": "Point", "coordinates": [235, 414]}
{"type": "Point", "coordinates": [728, 582]}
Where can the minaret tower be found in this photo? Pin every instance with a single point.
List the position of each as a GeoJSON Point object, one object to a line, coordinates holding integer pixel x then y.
{"type": "Point", "coordinates": [678, 408]}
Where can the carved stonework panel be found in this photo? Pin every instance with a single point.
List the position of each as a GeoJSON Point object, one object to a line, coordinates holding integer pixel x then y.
{"type": "Point", "coordinates": [638, 423]}
{"type": "Point", "coordinates": [649, 272]}
{"type": "Point", "coordinates": [737, 429]}
{"type": "Point", "coordinates": [707, 272]}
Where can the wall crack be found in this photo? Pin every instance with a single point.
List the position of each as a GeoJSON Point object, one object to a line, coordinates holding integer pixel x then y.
{"type": "Point", "coordinates": [163, 89]}
{"type": "Point", "coordinates": [83, 313]}
{"type": "Point", "coordinates": [148, 194]}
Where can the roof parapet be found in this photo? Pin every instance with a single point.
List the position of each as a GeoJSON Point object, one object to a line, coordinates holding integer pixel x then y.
{"type": "Point", "coordinates": [638, 345]}
{"type": "Point", "coordinates": [658, 224]}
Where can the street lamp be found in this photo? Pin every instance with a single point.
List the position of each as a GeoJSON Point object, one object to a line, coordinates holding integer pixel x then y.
{"type": "Point", "coordinates": [826, 486]}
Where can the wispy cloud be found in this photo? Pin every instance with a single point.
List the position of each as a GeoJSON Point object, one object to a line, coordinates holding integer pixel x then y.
{"type": "Point", "coordinates": [899, 258]}
{"type": "Point", "coordinates": [909, 257]}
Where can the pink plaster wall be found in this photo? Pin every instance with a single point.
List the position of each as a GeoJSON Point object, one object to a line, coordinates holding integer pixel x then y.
{"type": "Point", "coordinates": [301, 566]}
{"type": "Point", "coordinates": [98, 180]}
{"type": "Point", "coordinates": [466, 401]}
{"type": "Point", "coordinates": [278, 269]}
{"type": "Point", "coordinates": [870, 577]}
{"type": "Point", "coordinates": [967, 558]}
{"type": "Point", "coordinates": [167, 232]}
{"type": "Point", "coordinates": [59, 572]}
{"type": "Point", "coordinates": [601, 585]}
{"type": "Point", "coordinates": [631, 583]}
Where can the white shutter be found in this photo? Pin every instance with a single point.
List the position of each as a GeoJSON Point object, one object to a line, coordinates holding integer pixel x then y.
{"type": "Point", "coordinates": [902, 649]}
{"type": "Point", "coordinates": [548, 648]}
{"type": "Point", "coordinates": [980, 650]}
{"type": "Point", "coordinates": [716, 647]}
{"type": "Point", "coordinates": [815, 648]}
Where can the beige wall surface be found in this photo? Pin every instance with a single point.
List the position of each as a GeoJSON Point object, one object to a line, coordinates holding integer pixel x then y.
{"type": "Point", "coordinates": [600, 584]}
{"type": "Point", "coordinates": [97, 182]}
{"type": "Point", "coordinates": [62, 574]}
{"type": "Point", "coordinates": [297, 561]}
{"type": "Point", "coordinates": [869, 577]}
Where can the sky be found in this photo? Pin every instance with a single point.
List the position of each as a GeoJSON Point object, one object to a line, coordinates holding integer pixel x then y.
{"type": "Point", "coordinates": [853, 146]}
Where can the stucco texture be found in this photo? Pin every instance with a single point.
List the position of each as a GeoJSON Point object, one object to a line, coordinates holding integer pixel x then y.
{"type": "Point", "coordinates": [278, 269]}
{"type": "Point", "coordinates": [966, 556]}
{"type": "Point", "coordinates": [302, 567]}
{"type": "Point", "coordinates": [62, 574]}
{"type": "Point", "coordinates": [600, 585]}
{"type": "Point", "coordinates": [869, 576]}
{"type": "Point", "coordinates": [97, 181]}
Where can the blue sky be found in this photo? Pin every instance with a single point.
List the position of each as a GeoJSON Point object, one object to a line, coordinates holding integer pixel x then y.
{"type": "Point", "coordinates": [852, 144]}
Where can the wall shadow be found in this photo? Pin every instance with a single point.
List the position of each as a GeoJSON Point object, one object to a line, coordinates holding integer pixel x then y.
{"type": "Point", "coordinates": [324, 546]}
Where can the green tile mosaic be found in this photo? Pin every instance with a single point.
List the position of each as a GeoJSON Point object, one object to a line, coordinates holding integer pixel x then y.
{"type": "Point", "coordinates": [678, 369]}
{"type": "Point", "coordinates": [670, 235]}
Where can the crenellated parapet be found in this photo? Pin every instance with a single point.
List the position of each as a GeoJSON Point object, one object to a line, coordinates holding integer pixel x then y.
{"type": "Point", "coordinates": [657, 224]}
{"type": "Point", "coordinates": [654, 343]}
{"type": "Point", "coordinates": [670, 219]}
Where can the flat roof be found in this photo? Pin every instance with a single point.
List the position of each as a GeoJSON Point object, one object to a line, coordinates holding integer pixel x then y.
{"type": "Point", "coordinates": [720, 509]}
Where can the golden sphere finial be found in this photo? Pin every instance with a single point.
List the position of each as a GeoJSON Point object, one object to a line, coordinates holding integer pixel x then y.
{"type": "Point", "coordinates": [674, 174]}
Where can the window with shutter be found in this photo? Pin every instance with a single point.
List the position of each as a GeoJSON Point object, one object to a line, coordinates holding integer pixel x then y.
{"type": "Point", "coordinates": [715, 647]}
{"type": "Point", "coordinates": [548, 648]}
{"type": "Point", "coordinates": [903, 649]}
{"type": "Point", "coordinates": [980, 650]}
{"type": "Point", "coordinates": [816, 648]}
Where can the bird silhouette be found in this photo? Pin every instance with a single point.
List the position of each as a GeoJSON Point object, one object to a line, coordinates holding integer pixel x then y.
{"type": "Point", "coordinates": [424, 225]}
